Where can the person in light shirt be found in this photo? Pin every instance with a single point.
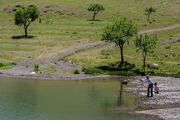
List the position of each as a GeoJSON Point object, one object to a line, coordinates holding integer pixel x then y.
{"type": "Point", "coordinates": [150, 83]}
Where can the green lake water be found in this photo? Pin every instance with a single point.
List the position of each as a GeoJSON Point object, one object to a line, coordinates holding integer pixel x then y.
{"type": "Point", "coordinates": [62, 100]}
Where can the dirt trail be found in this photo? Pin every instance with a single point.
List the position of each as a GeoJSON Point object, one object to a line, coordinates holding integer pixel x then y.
{"type": "Point", "coordinates": [56, 65]}
{"type": "Point", "coordinates": [160, 29]}
{"type": "Point", "coordinates": [54, 61]}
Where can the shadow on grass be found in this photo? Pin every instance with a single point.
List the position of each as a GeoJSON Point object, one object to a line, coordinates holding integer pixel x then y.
{"type": "Point", "coordinates": [96, 20]}
{"type": "Point", "coordinates": [125, 69]}
{"type": "Point", "coordinates": [22, 37]}
{"type": "Point", "coordinates": [118, 66]}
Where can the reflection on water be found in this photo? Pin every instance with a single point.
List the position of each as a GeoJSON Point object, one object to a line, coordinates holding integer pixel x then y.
{"type": "Point", "coordinates": [61, 100]}
{"type": "Point", "coordinates": [17, 100]}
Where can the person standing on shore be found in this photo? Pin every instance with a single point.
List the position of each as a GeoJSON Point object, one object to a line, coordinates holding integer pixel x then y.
{"type": "Point", "coordinates": [150, 86]}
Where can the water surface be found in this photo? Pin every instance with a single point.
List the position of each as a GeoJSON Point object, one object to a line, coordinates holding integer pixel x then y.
{"type": "Point", "coordinates": [62, 100]}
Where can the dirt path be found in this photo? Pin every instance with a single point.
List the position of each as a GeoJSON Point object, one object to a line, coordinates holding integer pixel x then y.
{"type": "Point", "coordinates": [53, 65]}
{"type": "Point", "coordinates": [160, 29]}
{"type": "Point", "coordinates": [166, 105]}
{"type": "Point", "coordinates": [53, 61]}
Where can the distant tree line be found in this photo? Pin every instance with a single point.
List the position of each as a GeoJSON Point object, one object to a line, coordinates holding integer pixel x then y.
{"type": "Point", "coordinates": [26, 15]}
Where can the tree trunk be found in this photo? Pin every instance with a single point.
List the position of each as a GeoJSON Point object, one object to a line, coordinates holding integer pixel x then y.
{"type": "Point", "coordinates": [26, 25]}
{"type": "Point", "coordinates": [148, 17]}
{"type": "Point", "coordinates": [25, 30]}
{"type": "Point", "coordinates": [122, 56]}
{"type": "Point", "coordinates": [94, 15]}
{"type": "Point", "coordinates": [119, 102]}
{"type": "Point", "coordinates": [144, 62]}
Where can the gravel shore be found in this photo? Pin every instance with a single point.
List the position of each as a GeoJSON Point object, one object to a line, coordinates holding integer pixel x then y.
{"type": "Point", "coordinates": [165, 105]}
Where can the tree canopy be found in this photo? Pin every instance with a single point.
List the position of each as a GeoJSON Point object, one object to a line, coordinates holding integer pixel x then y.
{"type": "Point", "coordinates": [25, 16]}
{"type": "Point", "coordinates": [95, 8]}
{"type": "Point", "coordinates": [149, 11]}
{"type": "Point", "coordinates": [146, 44]}
{"type": "Point", "coordinates": [120, 32]}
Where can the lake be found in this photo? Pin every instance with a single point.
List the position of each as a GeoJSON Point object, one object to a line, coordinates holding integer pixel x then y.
{"type": "Point", "coordinates": [62, 100]}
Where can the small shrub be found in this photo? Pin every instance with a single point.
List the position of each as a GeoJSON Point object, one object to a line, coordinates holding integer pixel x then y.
{"type": "Point", "coordinates": [170, 38]}
{"type": "Point", "coordinates": [168, 47]}
{"type": "Point", "coordinates": [19, 6]}
{"type": "Point", "coordinates": [36, 68]}
{"type": "Point", "coordinates": [13, 63]}
{"type": "Point", "coordinates": [92, 71]}
{"type": "Point", "coordinates": [76, 72]}
{"type": "Point", "coordinates": [14, 9]}
{"type": "Point", "coordinates": [83, 69]}
{"type": "Point", "coordinates": [166, 56]}
{"type": "Point", "coordinates": [7, 65]}
{"type": "Point", "coordinates": [117, 66]}
{"type": "Point", "coordinates": [177, 75]}
{"type": "Point", "coordinates": [1, 64]}
{"type": "Point", "coordinates": [75, 33]}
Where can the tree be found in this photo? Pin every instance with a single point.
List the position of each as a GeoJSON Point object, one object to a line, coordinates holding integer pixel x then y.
{"type": "Point", "coordinates": [120, 32]}
{"type": "Point", "coordinates": [25, 16]}
{"type": "Point", "coordinates": [95, 8]}
{"type": "Point", "coordinates": [147, 45]}
{"type": "Point", "coordinates": [148, 12]}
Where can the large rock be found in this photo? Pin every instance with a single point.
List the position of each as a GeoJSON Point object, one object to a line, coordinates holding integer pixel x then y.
{"type": "Point", "coordinates": [154, 66]}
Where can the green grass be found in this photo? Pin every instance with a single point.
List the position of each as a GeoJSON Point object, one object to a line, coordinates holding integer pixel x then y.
{"type": "Point", "coordinates": [167, 55]}
{"type": "Point", "coordinates": [58, 32]}
{"type": "Point", "coordinates": [7, 65]}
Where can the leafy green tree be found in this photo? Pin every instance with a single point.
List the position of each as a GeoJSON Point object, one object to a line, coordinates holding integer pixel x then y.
{"type": "Point", "coordinates": [146, 44]}
{"type": "Point", "coordinates": [25, 16]}
{"type": "Point", "coordinates": [148, 12]}
{"type": "Point", "coordinates": [95, 8]}
{"type": "Point", "coordinates": [120, 32]}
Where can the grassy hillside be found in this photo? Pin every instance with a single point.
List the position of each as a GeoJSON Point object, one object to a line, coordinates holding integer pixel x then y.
{"type": "Point", "coordinates": [166, 55]}
{"type": "Point", "coordinates": [65, 23]}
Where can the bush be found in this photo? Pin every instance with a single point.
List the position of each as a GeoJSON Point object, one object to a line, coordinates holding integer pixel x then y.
{"type": "Point", "coordinates": [168, 47]}
{"type": "Point", "coordinates": [76, 72]}
{"type": "Point", "coordinates": [13, 63]}
{"type": "Point", "coordinates": [36, 68]}
{"type": "Point", "coordinates": [7, 65]}
{"type": "Point", "coordinates": [117, 66]}
{"type": "Point", "coordinates": [1, 64]}
{"type": "Point", "coordinates": [177, 75]}
{"type": "Point", "coordinates": [92, 71]}
{"type": "Point", "coordinates": [75, 33]}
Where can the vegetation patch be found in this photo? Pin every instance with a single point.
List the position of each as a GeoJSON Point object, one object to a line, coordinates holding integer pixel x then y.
{"type": "Point", "coordinates": [7, 65]}
{"type": "Point", "coordinates": [62, 24]}
{"type": "Point", "coordinates": [105, 59]}
{"type": "Point", "coordinates": [76, 72]}
{"type": "Point", "coordinates": [36, 68]}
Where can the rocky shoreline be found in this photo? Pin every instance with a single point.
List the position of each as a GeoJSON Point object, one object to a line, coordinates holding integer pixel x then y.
{"type": "Point", "coordinates": [54, 77]}
{"type": "Point", "coordinates": [162, 106]}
